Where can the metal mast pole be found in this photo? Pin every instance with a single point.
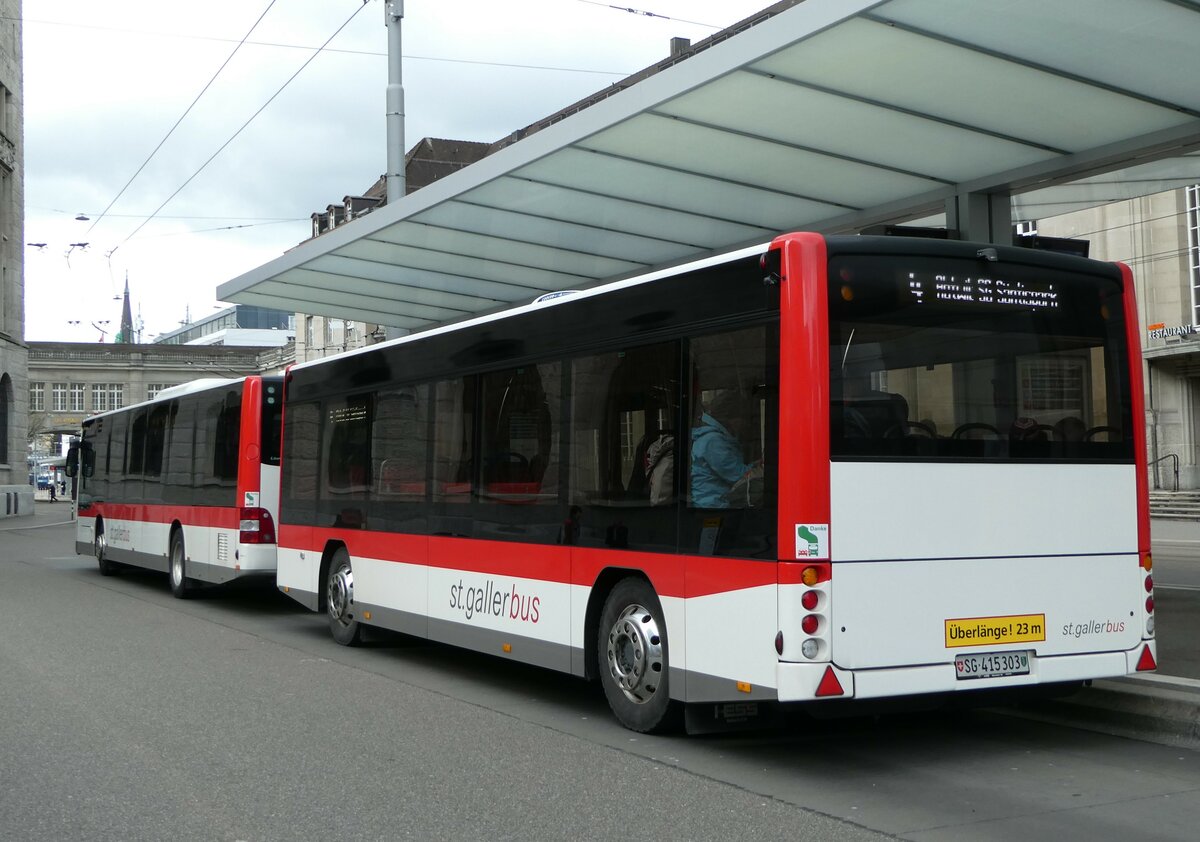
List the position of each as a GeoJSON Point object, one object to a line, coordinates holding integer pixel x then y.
{"type": "Point", "coordinates": [393, 14]}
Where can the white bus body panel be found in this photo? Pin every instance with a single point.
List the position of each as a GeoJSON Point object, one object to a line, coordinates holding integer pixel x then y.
{"type": "Point", "coordinates": [917, 544]}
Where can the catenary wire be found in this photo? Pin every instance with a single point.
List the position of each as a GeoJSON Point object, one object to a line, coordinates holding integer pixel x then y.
{"type": "Point", "coordinates": [186, 112]}
{"type": "Point", "coordinates": [243, 127]}
{"type": "Point", "coordinates": [371, 53]}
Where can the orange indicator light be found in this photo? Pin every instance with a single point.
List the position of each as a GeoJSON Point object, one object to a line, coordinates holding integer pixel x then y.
{"type": "Point", "coordinates": [744, 686]}
{"type": "Point", "coordinates": [366, 615]}
{"type": "Point", "coordinates": [507, 647]}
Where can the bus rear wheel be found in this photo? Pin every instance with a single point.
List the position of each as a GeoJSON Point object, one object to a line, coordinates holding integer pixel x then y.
{"type": "Point", "coordinates": [339, 600]}
{"type": "Point", "coordinates": [633, 658]}
{"type": "Point", "coordinates": [100, 548]}
{"type": "Point", "coordinates": [181, 585]}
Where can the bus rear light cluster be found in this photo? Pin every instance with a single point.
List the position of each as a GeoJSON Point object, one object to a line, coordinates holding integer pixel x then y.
{"type": "Point", "coordinates": [814, 600]}
{"type": "Point", "coordinates": [256, 526]}
{"type": "Point", "coordinates": [1148, 565]}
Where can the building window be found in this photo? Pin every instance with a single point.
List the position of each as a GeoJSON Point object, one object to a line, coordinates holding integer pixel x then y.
{"type": "Point", "coordinates": [58, 397]}
{"type": "Point", "coordinates": [327, 334]}
{"type": "Point", "coordinates": [100, 397]}
{"type": "Point", "coordinates": [37, 397]}
{"type": "Point", "coordinates": [116, 395]}
{"type": "Point", "coordinates": [76, 397]}
{"type": "Point", "coordinates": [308, 331]}
{"type": "Point", "coordinates": [152, 390]}
{"type": "Point", "coordinates": [1193, 228]}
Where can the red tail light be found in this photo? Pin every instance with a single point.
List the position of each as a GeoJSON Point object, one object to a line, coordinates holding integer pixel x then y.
{"type": "Point", "coordinates": [257, 526]}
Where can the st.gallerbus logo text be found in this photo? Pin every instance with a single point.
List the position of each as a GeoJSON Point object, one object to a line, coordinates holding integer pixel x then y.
{"type": "Point", "coordinates": [496, 601]}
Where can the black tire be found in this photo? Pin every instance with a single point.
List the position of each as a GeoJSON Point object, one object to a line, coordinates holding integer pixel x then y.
{"type": "Point", "coordinates": [339, 600]}
{"type": "Point", "coordinates": [632, 649]}
{"type": "Point", "coordinates": [100, 548]}
{"type": "Point", "coordinates": [181, 585]}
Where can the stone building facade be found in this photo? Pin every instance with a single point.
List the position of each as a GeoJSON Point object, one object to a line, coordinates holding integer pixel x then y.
{"type": "Point", "coordinates": [14, 489]}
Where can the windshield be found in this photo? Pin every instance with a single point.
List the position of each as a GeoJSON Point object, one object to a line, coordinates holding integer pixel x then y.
{"type": "Point", "coordinates": [946, 358]}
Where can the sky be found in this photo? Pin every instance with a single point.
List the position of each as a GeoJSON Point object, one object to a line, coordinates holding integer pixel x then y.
{"type": "Point", "coordinates": [233, 183]}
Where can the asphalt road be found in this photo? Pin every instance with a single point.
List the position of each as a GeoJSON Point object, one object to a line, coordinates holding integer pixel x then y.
{"type": "Point", "coordinates": [127, 714]}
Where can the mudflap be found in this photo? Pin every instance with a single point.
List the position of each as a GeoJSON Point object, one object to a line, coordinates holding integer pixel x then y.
{"type": "Point", "coordinates": [727, 717]}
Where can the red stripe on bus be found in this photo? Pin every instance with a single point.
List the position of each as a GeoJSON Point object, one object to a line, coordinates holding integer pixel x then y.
{"type": "Point", "coordinates": [217, 517]}
{"type": "Point", "coordinates": [671, 575]}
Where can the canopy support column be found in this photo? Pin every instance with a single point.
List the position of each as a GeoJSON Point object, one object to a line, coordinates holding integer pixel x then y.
{"type": "Point", "coordinates": [981, 217]}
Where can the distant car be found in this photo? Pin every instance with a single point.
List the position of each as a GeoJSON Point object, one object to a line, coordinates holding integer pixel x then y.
{"type": "Point", "coordinates": [43, 482]}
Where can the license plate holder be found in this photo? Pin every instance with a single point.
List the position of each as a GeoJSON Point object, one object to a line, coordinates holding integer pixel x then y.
{"type": "Point", "coordinates": [976, 665]}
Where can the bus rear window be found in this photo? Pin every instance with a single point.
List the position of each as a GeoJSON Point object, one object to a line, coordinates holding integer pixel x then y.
{"type": "Point", "coordinates": [272, 419]}
{"type": "Point", "coordinates": [934, 358]}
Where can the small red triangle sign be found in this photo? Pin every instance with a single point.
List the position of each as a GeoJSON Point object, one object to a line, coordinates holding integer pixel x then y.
{"type": "Point", "coordinates": [1145, 662]}
{"type": "Point", "coordinates": [830, 686]}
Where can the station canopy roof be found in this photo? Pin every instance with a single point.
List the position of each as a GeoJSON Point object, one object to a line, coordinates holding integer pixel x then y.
{"type": "Point", "coordinates": [829, 116]}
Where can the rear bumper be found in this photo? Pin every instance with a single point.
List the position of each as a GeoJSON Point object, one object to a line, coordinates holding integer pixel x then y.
{"type": "Point", "coordinates": [799, 682]}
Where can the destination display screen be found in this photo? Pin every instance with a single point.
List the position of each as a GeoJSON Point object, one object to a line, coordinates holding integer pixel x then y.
{"type": "Point", "coordinates": [980, 289]}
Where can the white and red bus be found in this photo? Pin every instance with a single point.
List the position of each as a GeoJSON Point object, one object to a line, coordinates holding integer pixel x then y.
{"type": "Point", "coordinates": [186, 483]}
{"type": "Point", "coordinates": [823, 468]}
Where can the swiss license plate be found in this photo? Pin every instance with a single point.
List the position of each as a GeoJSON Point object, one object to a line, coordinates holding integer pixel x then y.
{"type": "Point", "coordinates": [990, 664]}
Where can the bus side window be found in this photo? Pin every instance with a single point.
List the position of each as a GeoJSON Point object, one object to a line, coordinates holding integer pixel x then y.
{"type": "Point", "coordinates": [520, 434]}
{"type": "Point", "coordinates": [347, 471]}
{"type": "Point", "coordinates": [624, 411]}
{"type": "Point", "coordinates": [733, 407]}
{"type": "Point", "coordinates": [400, 445]}
{"type": "Point", "coordinates": [301, 455]}
{"type": "Point", "coordinates": [453, 440]}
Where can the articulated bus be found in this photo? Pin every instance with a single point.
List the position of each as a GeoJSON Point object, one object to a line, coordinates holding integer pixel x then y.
{"type": "Point", "coordinates": [186, 483]}
{"type": "Point", "coordinates": [823, 468]}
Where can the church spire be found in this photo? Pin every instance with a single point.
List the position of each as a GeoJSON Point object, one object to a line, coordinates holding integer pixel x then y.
{"type": "Point", "coordinates": [126, 334]}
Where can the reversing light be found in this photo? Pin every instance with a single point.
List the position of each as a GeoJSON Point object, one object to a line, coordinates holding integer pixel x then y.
{"type": "Point", "coordinates": [809, 648]}
{"type": "Point", "coordinates": [809, 600]}
{"type": "Point", "coordinates": [809, 624]}
{"type": "Point", "coordinates": [1150, 626]}
{"type": "Point", "coordinates": [255, 526]}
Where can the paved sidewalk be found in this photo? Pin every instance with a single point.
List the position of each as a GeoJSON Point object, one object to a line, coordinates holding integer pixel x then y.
{"type": "Point", "coordinates": [44, 514]}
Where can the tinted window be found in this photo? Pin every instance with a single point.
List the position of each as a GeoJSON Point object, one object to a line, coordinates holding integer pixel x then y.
{"type": "Point", "coordinates": [272, 419]}
{"type": "Point", "coordinates": [944, 358]}
{"type": "Point", "coordinates": [625, 416]}
{"type": "Point", "coordinates": [731, 456]}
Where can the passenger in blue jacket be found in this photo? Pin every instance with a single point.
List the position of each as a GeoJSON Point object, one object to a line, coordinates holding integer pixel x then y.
{"type": "Point", "coordinates": [717, 462]}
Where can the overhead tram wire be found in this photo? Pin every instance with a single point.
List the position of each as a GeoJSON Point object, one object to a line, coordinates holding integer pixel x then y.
{"type": "Point", "coordinates": [372, 53]}
{"type": "Point", "coordinates": [186, 112]}
{"type": "Point", "coordinates": [243, 127]}
{"type": "Point", "coordinates": [647, 14]}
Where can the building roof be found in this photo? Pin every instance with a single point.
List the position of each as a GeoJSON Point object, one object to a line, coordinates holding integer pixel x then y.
{"type": "Point", "coordinates": [828, 115]}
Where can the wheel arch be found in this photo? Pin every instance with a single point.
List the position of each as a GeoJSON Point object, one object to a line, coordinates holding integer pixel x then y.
{"type": "Point", "coordinates": [331, 547]}
{"type": "Point", "coordinates": [606, 580]}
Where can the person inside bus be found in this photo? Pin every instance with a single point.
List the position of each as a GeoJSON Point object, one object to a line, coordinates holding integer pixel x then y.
{"type": "Point", "coordinates": [870, 413]}
{"type": "Point", "coordinates": [717, 461]}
